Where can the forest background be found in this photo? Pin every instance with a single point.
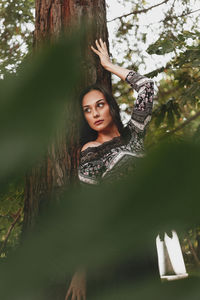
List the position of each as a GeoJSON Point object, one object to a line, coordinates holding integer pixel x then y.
{"type": "Point", "coordinates": [159, 39]}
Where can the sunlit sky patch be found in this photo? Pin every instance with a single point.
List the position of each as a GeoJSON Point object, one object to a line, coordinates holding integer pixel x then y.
{"type": "Point", "coordinates": [148, 22]}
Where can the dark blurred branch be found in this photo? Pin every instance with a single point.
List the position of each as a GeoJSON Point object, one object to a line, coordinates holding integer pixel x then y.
{"type": "Point", "coordinates": [174, 17]}
{"type": "Point", "coordinates": [185, 14]}
{"type": "Point", "coordinates": [135, 12]}
{"type": "Point", "coordinates": [163, 93]}
{"type": "Point", "coordinates": [183, 124]}
{"type": "Point", "coordinates": [157, 71]}
{"type": "Point", "coordinates": [5, 216]}
{"type": "Point", "coordinates": [177, 128]}
{"type": "Point", "coordinates": [193, 251]}
{"type": "Point", "coordinates": [161, 21]}
{"type": "Point", "coordinates": [17, 216]}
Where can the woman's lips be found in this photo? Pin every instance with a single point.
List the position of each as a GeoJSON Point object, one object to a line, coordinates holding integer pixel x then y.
{"type": "Point", "coordinates": [98, 122]}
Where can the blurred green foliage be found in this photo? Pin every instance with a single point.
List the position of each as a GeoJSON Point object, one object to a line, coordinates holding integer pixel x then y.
{"type": "Point", "coordinates": [16, 33]}
{"type": "Point", "coordinates": [16, 36]}
{"type": "Point", "coordinates": [177, 96]}
{"type": "Point", "coordinates": [32, 110]}
{"type": "Point", "coordinates": [101, 227]}
{"type": "Point", "coordinates": [11, 204]}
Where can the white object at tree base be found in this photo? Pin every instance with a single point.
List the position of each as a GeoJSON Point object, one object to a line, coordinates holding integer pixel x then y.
{"type": "Point", "coordinates": [170, 258]}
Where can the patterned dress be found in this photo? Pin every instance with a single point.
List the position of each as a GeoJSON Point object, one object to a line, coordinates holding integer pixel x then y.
{"type": "Point", "coordinates": [112, 159]}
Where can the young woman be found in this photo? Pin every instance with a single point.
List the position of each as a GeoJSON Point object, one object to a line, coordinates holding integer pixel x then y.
{"type": "Point", "coordinates": [108, 148]}
{"type": "Point", "coordinates": [111, 147]}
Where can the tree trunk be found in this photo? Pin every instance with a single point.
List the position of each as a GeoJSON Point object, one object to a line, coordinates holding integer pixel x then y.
{"type": "Point", "coordinates": [59, 167]}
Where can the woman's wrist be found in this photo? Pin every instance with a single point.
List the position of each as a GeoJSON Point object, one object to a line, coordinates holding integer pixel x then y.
{"type": "Point", "coordinates": [117, 70]}
{"type": "Point", "coordinates": [109, 67]}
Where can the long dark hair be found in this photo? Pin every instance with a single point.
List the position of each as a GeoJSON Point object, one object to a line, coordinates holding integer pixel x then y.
{"type": "Point", "coordinates": [88, 134]}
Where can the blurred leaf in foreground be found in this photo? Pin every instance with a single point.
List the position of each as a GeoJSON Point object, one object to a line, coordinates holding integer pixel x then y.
{"type": "Point", "coordinates": [103, 228]}
{"type": "Point", "coordinates": [33, 102]}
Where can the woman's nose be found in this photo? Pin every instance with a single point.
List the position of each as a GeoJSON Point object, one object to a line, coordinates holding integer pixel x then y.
{"type": "Point", "coordinates": [95, 113]}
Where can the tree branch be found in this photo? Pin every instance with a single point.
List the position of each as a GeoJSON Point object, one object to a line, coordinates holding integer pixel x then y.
{"type": "Point", "coordinates": [178, 127]}
{"type": "Point", "coordinates": [184, 124]}
{"type": "Point", "coordinates": [5, 216]}
{"type": "Point", "coordinates": [161, 21]}
{"type": "Point", "coordinates": [174, 17]}
{"type": "Point", "coordinates": [185, 14]}
{"type": "Point", "coordinates": [135, 12]}
{"type": "Point", "coordinates": [159, 70]}
{"type": "Point", "coordinates": [193, 252]}
{"type": "Point", "coordinates": [17, 216]}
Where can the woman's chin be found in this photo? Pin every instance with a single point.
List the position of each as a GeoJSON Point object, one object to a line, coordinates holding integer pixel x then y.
{"type": "Point", "coordinates": [99, 127]}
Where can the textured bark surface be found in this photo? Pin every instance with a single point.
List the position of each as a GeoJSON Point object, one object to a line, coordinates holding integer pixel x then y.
{"type": "Point", "coordinates": [52, 16]}
{"type": "Point", "coordinates": [59, 167]}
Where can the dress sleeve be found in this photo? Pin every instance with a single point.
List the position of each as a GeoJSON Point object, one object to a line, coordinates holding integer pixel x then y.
{"type": "Point", "coordinates": [142, 110]}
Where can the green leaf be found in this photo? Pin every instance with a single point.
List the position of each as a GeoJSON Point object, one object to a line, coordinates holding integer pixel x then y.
{"type": "Point", "coordinates": [161, 46]}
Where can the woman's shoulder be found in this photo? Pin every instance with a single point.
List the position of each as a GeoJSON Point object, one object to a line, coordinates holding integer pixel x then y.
{"type": "Point", "coordinates": [90, 144]}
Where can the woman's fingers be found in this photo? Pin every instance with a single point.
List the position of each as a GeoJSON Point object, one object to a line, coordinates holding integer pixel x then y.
{"type": "Point", "coordinates": [98, 45]}
{"type": "Point", "coordinates": [79, 296]}
{"type": "Point", "coordinates": [95, 50]}
{"type": "Point", "coordinates": [105, 46]}
{"type": "Point", "coordinates": [84, 295]}
{"type": "Point", "coordinates": [68, 293]}
{"type": "Point", "coordinates": [76, 295]}
{"type": "Point", "coordinates": [102, 44]}
{"type": "Point", "coordinates": [73, 296]}
{"type": "Point", "coordinates": [102, 52]}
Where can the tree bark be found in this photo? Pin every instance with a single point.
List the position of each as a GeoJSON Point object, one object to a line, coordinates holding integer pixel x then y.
{"type": "Point", "coordinates": [59, 168]}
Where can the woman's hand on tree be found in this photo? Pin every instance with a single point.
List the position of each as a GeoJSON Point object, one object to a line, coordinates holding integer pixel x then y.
{"type": "Point", "coordinates": [102, 52]}
{"type": "Point", "coordinates": [77, 288]}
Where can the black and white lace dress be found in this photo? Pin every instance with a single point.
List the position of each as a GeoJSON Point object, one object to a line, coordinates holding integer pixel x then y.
{"type": "Point", "coordinates": [114, 158]}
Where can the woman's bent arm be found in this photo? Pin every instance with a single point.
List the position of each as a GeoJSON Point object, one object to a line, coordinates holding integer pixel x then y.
{"type": "Point", "coordinates": [142, 110]}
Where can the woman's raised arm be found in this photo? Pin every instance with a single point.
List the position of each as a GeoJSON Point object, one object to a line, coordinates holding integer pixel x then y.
{"type": "Point", "coordinates": [141, 114]}
{"type": "Point", "coordinates": [142, 110]}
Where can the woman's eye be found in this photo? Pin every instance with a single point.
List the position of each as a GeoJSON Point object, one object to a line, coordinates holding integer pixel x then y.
{"type": "Point", "coordinates": [100, 104]}
{"type": "Point", "coordinates": [86, 110]}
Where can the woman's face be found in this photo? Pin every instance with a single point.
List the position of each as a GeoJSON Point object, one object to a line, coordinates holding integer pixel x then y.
{"type": "Point", "coordinates": [96, 110]}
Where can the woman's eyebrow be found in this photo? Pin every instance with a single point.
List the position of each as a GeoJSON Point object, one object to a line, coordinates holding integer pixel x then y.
{"type": "Point", "coordinates": [95, 102]}
{"type": "Point", "coordinates": [99, 100]}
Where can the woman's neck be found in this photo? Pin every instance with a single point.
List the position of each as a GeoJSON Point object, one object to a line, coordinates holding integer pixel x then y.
{"type": "Point", "coordinates": [108, 134]}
